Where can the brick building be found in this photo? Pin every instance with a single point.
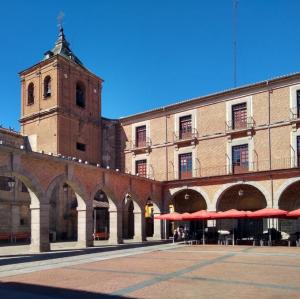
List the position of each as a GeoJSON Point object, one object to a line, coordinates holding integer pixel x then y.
{"type": "Point", "coordinates": [239, 148]}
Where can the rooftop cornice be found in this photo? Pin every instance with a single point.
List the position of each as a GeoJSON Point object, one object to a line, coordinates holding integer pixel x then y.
{"type": "Point", "coordinates": [229, 92]}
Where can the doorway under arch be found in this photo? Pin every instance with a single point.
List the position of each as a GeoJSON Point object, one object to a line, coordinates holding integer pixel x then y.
{"type": "Point", "coordinates": [187, 201]}
{"type": "Point", "coordinates": [133, 220]}
{"type": "Point", "coordinates": [63, 217]}
{"type": "Point", "coordinates": [242, 197]}
{"type": "Point", "coordinates": [101, 216]}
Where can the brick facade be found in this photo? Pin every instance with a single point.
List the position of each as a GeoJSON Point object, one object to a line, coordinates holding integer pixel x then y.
{"type": "Point", "coordinates": [65, 144]}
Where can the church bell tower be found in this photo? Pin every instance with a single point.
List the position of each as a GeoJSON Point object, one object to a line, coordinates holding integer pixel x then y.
{"type": "Point", "coordinates": [61, 105]}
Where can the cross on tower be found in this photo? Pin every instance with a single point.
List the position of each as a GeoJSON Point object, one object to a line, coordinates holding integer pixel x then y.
{"type": "Point", "coordinates": [60, 18]}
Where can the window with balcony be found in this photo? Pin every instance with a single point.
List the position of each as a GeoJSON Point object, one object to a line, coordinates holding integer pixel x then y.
{"type": "Point", "coordinates": [185, 166]}
{"type": "Point", "coordinates": [239, 116]}
{"type": "Point", "coordinates": [240, 162]}
{"type": "Point", "coordinates": [141, 168]}
{"type": "Point", "coordinates": [185, 127]}
{"type": "Point", "coordinates": [298, 103]}
{"type": "Point", "coordinates": [140, 136]}
{"type": "Point", "coordinates": [298, 151]}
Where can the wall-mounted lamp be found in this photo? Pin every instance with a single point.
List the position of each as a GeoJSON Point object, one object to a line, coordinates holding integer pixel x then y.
{"type": "Point", "coordinates": [11, 183]}
{"type": "Point", "coordinates": [241, 192]}
{"type": "Point", "coordinates": [65, 187]}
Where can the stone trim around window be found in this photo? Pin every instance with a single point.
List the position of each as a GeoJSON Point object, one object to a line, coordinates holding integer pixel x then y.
{"type": "Point", "coordinates": [240, 141]}
{"type": "Point", "coordinates": [229, 104]}
{"type": "Point", "coordinates": [185, 150]}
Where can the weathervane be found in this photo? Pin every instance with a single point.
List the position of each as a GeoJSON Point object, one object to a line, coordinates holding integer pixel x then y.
{"type": "Point", "coordinates": [60, 18]}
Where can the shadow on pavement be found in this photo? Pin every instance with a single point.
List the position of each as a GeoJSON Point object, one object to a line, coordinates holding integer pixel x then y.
{"type": "Point", "coordinates": [25, 258]}
{"type": "Point", "coordinates": [17, 290]}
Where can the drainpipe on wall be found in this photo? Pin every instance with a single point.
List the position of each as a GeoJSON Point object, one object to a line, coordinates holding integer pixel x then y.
{"type": "Point", "coordinates": [270, 91]}
{"type": "Point", "coordinates": [166, 147]}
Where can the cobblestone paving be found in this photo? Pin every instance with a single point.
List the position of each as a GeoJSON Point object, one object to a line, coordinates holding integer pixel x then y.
{"type": "Point", "coordinates": [158, 271]}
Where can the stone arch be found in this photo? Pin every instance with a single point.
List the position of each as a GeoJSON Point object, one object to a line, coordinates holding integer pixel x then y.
{"type": "Point", "coordinates": [113, 203]}
{"type": "Point", "coordinates": [84, 220]}
{"type": "Point", "coordinates": [174, 191]}
{"type": "Point", "coordinates": [79, 190]}
{"type": "Point", "coordinates": [133, 220]}
{"type": "Point", "coordinates": [225, 187]}
{"type": "Point", "coordinates": [157, 204]}
{"type": "Point", "coordinates": [31, 182]}
{"type": "Point", "coordinates": [112, 215]}
{"type": "Point", "coordinates": [153, 227]}
{"type": "Point", "coordinates": [284, 186]}
{"type": "Point", "coordinates": [241, 196]}
{"type": "Point", "coordinates": [136, 200]}
{"type": "Point", "coordinates": [38, 209]}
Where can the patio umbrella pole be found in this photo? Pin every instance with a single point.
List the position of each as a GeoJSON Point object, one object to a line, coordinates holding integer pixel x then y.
{"type": "Point", "coordinates": [232, 232]}
{"type": "Point", "coordinates": [203, 235]}
{"type": "Point", "coordinates": [270, 237]}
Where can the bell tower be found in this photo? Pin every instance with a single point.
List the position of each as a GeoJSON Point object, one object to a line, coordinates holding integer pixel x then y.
{"type": "Point", "coordinates": [61, 105]}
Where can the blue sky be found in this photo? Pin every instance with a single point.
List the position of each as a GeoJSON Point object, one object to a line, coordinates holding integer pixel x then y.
{"type": "Point", "coordinates": [151, 53]}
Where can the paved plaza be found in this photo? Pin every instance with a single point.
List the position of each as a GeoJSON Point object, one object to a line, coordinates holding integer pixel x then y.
{"type": "Point", "coordinates": [154, 271]}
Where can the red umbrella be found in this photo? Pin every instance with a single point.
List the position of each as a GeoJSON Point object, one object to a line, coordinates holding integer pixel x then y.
{"type": "Point", "coordinates": [294, 214]}
{"type": "Point", "coordinates": [230, 214]}
{"type": "Point", "coordinates": [170, 216]}
{"type": "Point", "coordinates": [185, 216]}
{"type": "Point", "coordinates": [267, 213]}
{"type": "Point", "coordinates": [201, 215]}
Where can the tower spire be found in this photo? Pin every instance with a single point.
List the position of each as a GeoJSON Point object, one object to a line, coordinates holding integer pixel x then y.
{"type": "Point", "coordinates": [62, 47]}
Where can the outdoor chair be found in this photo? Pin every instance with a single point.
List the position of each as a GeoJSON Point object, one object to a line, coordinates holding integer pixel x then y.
{"type": "Point", "coordinates": [229, 240]}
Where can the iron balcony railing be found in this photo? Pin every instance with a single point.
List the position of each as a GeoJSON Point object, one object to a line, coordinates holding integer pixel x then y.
{"type": "Point", "coordinates": [229, 169]}
{"type": "Point", "coordinates": [239, 125]}
{"type": "Point", "coordinates": [295, 113]}
{"type": "Point", "coordinates": [140, 144]}
{"type": "Point", "coordinates": [185, 135]}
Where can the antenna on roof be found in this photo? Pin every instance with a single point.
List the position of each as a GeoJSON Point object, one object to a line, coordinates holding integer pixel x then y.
{"type": "Point", "coordinates": [234, 39]}
{"type": "Point", "coordinates": [60, 19]}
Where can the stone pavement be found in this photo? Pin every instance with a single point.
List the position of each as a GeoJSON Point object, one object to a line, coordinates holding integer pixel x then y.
{"type": "Point", "coordinates": [156, 271]}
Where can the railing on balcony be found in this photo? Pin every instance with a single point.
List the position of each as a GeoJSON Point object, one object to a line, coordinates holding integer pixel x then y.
{"type": "Point", "coordinates": [295, 113]}
{"type": "Point", "coordinates": [185, 135]}
{"type": "Point", "coordinates": [229, 169]}
{"type": "Point", "coordinates": [240, 125]}
{"type": "Point", "coordinates": [140, 144]}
